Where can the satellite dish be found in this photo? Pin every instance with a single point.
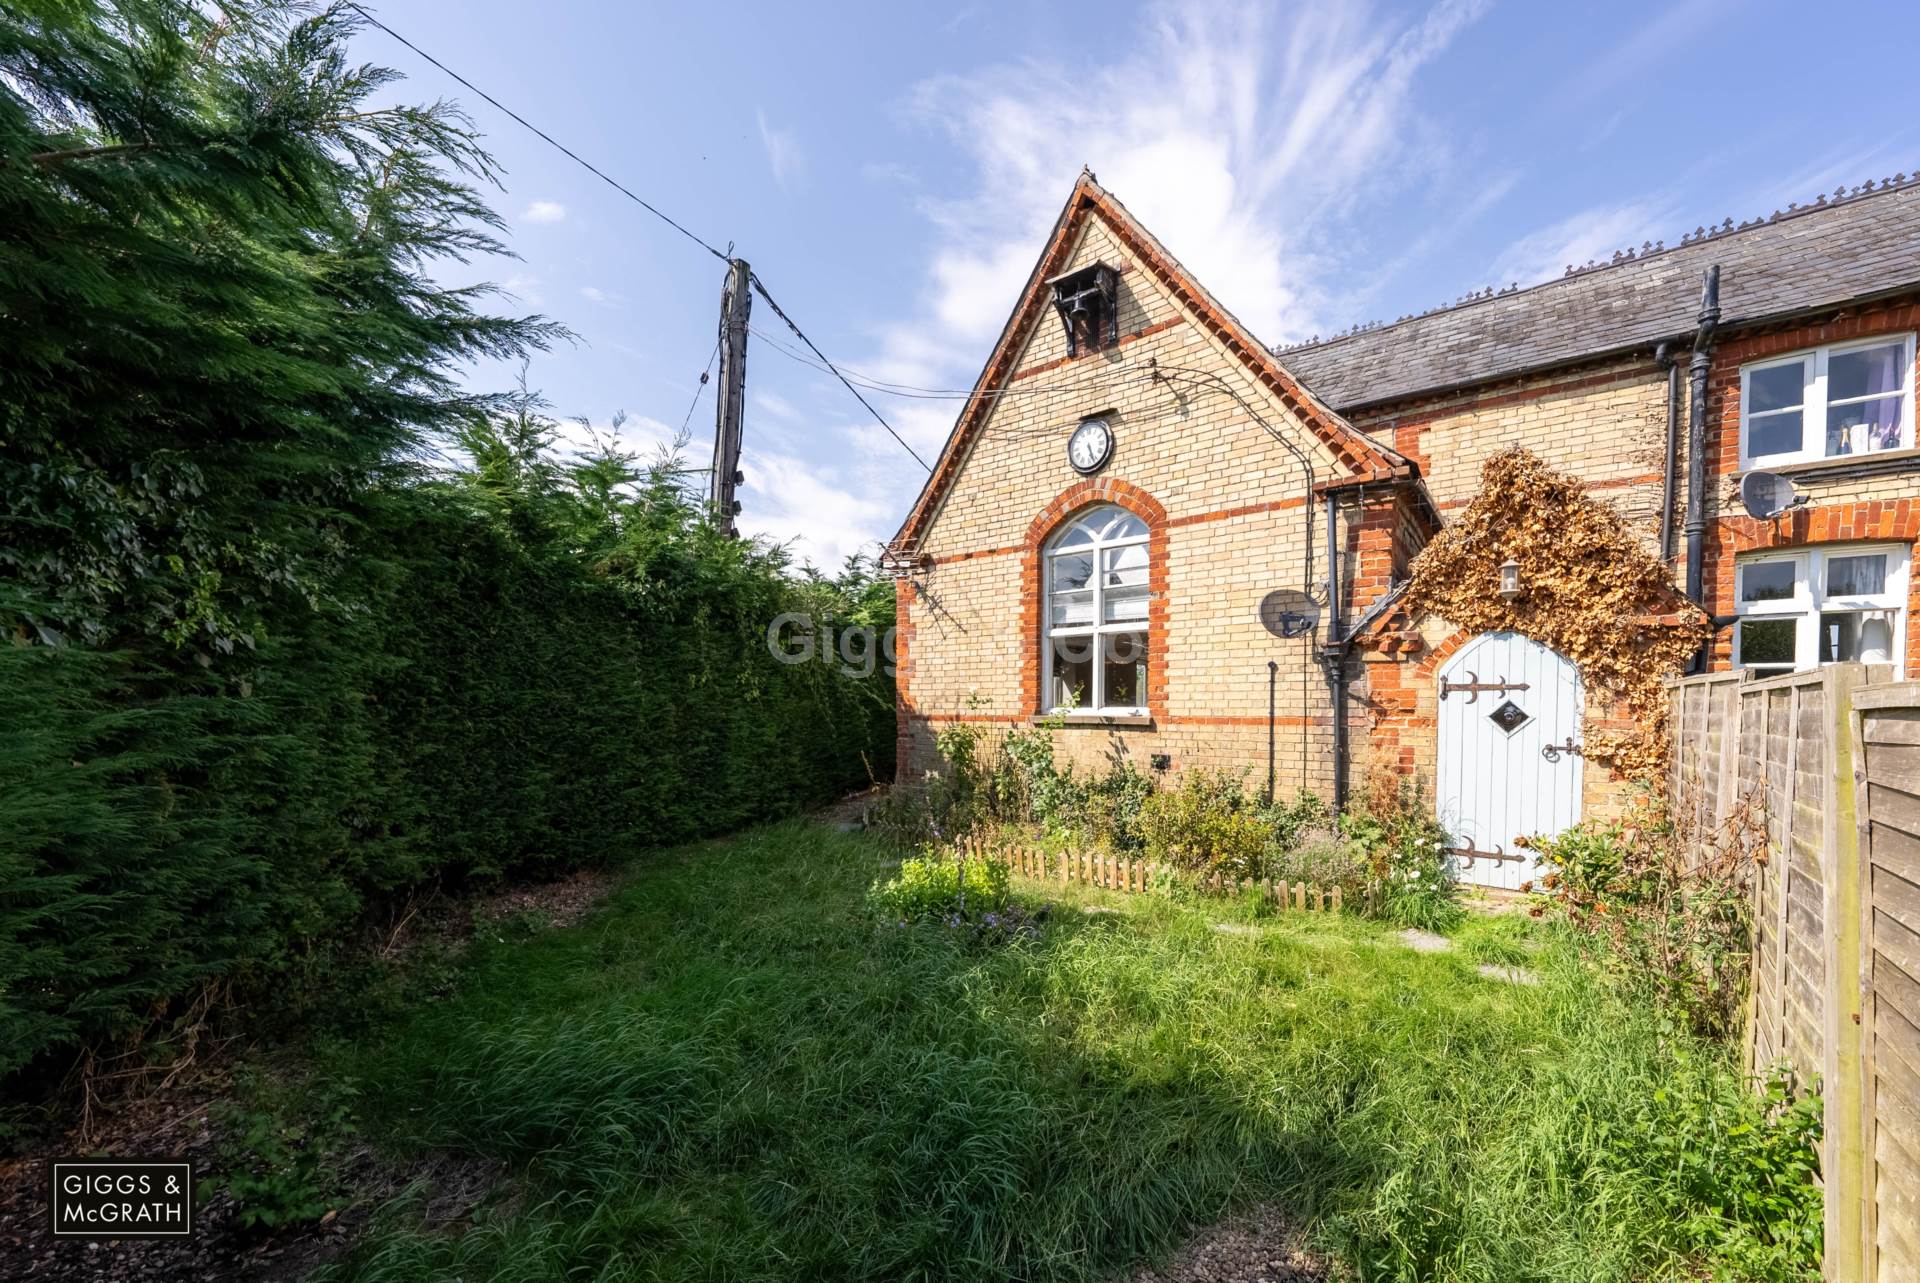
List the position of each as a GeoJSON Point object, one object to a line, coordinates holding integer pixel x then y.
{"type": "Point", "coordinates": [1288, 613]}
{"type": "Point", "coordinates": [1766, 495]}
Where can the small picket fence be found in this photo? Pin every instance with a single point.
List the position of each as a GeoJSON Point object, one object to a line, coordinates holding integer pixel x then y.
{"type": "Point", "coordinates": [1137, 876]}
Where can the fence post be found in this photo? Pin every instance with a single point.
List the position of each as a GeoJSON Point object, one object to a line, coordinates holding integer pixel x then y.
{"type": "Point", "coordinates": [1731, 728]}
{"type": "Point", "coordinates": [1848, 1169]}
{"type": "Point", "coordinates": [1784, 858]}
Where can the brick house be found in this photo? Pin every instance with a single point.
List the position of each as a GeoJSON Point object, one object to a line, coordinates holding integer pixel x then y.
{"type": "Point", "coordinates": [1189, 549]}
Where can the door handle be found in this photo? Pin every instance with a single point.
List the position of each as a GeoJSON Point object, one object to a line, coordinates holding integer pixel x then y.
{"type": "Point", "coordinates": [1553, 752]}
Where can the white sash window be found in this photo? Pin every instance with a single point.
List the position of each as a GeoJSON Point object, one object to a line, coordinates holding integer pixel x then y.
{"type": "Point", "coordinates": [1818, 606]}
{"type": "Point", "coordinates": [1094, 647]}
{"type": "Point", "coordinates": [1847, 399]}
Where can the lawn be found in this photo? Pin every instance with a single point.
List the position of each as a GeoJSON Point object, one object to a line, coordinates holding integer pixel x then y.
{"type": "Point", "coordinates": [732, 1070]}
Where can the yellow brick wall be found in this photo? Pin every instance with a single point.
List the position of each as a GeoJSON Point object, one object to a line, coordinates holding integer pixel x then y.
{"type": "Point", "coordinates": [1188, 442]}
{"type": "Point", "coordinates": [1605, 425]}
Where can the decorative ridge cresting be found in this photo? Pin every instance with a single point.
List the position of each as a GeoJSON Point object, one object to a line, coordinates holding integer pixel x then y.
{"type": "Point", "coordinates": [1842, 195]}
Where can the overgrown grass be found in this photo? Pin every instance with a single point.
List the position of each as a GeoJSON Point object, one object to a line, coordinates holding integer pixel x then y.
{"type": "Point", "coordinates": [735, 1072]}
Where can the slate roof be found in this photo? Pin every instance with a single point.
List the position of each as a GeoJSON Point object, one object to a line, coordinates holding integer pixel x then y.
{"type": "Point", "coordinates": [1852, 246]}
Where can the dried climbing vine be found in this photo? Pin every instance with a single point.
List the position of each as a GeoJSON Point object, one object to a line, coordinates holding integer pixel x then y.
{"type": "Point", "coordinates": [1591, 592]}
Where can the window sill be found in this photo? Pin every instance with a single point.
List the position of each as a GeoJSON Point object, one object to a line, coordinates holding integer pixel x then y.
{"type": "Point", "coordinates": [1842, 466]}
{"type": "Point", "coordinates": [1093, 719]}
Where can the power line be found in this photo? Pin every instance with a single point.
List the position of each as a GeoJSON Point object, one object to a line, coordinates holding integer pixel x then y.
{"type": "Point", "coordinates": [542, 134]}
{"type": "Point", "coordinates": [911, 391]}
{"type": "Point", "coordinates": [761, 288]}
{"type": "Point", "coordinates": [576, 158]}
{"type": "Point", "coordinates": [700, 387]}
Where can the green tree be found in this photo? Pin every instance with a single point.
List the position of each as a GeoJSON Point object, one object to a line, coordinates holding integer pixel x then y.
{"type": "Point", "coordinates": [217, 309]}
{"type": "Point", "coordinates": [220, 335]}
{"type": "Point", "coordinates": [271, 659]}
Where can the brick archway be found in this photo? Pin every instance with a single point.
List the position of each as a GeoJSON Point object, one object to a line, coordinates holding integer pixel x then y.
{"type": "Point", "coordinates": [1430, 663]}
{"type": "Point", "coordinates": [1065, 505]}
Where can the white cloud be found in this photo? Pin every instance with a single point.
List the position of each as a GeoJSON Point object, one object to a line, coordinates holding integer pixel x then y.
{"type": "Point", "coordinates": [1249, 139]}
{"type": "Point", "coordinates": [594, 294]}
{"type": "Point", "coordinates": [1243, 142]}
{"type": "Point", "coordinates": [790, 500]}
{"type": "Point", "coordinates": [638, 434]}
{"type": "Point", "coordinates": [775, 406]}
{"type": "Point", "coordinates": [1667, 36]}
{"type": "Point", "coordinates": [525, 287]}
{"type": "Point", "coordinates": [783, 151]}
{"type": "Point", "coordinates": [1592, 233]}
{"type": "Point", "coordinates": [544, 211]}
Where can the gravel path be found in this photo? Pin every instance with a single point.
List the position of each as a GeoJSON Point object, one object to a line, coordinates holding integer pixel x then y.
{"type": "Point", "coordinates": [1259, 1247]}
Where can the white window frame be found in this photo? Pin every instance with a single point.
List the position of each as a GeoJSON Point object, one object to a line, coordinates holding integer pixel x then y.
{"type": "Point", "coordinates": [1809, 598]}
{"type": "Point", "coordinates": [1813, 405]}
{"type": "Point", "coordinates": [1097, 627]}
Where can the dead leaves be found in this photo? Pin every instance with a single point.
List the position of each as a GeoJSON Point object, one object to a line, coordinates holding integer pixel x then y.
{"type": "Point", "coordinates": [1590, 591]}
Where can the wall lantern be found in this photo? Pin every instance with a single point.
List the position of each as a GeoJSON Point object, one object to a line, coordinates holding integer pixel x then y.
{"type": "Point", "coordinates": [1085, 300]}
{"type": "Point", "coordinates": [1510, 589]}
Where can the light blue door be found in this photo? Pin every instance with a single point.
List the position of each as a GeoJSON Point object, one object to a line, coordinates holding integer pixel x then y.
{"type": "Point", "coordinates": [1509, 760]}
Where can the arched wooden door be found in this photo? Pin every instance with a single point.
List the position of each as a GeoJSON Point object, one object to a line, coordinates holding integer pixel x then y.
{"type": "Point", "coordinates": [1509, 760]}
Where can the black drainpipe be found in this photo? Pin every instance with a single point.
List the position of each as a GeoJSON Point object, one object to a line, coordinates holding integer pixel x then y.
{"type": "Point", "coordinates": [1334, 655]}
{"type": "Point", "coordinates": [1273, 674]}
{"type": "Point", "coordinates": [1669, 480]}
{"type": "Point", "coordinates": [1696, 525]}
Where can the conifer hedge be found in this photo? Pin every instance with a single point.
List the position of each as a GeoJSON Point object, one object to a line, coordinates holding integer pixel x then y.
{"type": "Point", "coordinates": [269, 663]}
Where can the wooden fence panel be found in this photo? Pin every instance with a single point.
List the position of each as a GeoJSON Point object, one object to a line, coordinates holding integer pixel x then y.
{"type": "Point", "coordinates": [1887, 756]}
{"type": "Point", "coordinates": [1803, 962]}
{"type": "Point", "coordinates": [1831, 758]}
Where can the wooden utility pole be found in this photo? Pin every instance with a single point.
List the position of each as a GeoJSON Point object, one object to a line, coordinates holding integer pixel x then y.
{"type": "Point", "coordinates": [736, 299]}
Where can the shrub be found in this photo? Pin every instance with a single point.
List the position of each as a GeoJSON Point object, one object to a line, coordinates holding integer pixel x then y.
{"type": "Point", "coordinates": [1406, 848]}
{"type": "Point", "coordinates": [1736, 1169]}
{"type": "Point", "coordinates": [1207, 824]}
{"type": "Point", "coordinates": [1591, 868]}
{"type": "Point", "coordinates": [1673, 923]}
{"type": "Point", "coordinates": [1014, 780]}
{"type": "Point", "coordinates": [279, 1163]}
{"type": "Point", "coordinates": [943, 887]}
{"type": "Point", "coordinates": [1108, 809]}
{"type": "Point", "coordinates": [1294, 821]}
{"type": "Point", "coordinates": [1324, 858]}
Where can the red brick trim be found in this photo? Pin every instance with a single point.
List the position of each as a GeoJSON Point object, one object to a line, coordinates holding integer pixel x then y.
{"type": "Point", "coordinates": [1085, 494]}
{"type": "Point", "coordinates": [993, 719]}
{"type": "Point", "coordinates": [1430, 662]}
{"type": "Point", "coordinates": [1723, 383]}
{"type": "Point", "coordinates": [1173, 523]}
{"type": "Point", "coordinates": [1288, 720]}
{"type": "Point", "coordinates": [1223, 514]}
{"type": "Point", "coordinates": [1875, 521]}
{"type": "Point", "coordinates": [1878, 519]}
{"type": "Point", "coordinates": [1348, 444]}
{"type": "Point", "coordinates": [987, 719]}
{"type": "Point", "coordinates": [1122, 341]}
{"type": "Point", "coordinates": [903, 713]}
{"type": "Point", "coordinates": [1847, 325]}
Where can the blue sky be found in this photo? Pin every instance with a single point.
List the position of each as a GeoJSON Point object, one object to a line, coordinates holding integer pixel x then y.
{"type": "Point", "coordinates": [890, 171]}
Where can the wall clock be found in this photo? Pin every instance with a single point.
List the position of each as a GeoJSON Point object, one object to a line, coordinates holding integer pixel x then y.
{"type": "Point", "coordinates": [1090, 446]}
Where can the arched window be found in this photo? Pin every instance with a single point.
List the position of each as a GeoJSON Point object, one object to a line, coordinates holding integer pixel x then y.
{"type": "Point", "coordinates": [1094, 648]}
